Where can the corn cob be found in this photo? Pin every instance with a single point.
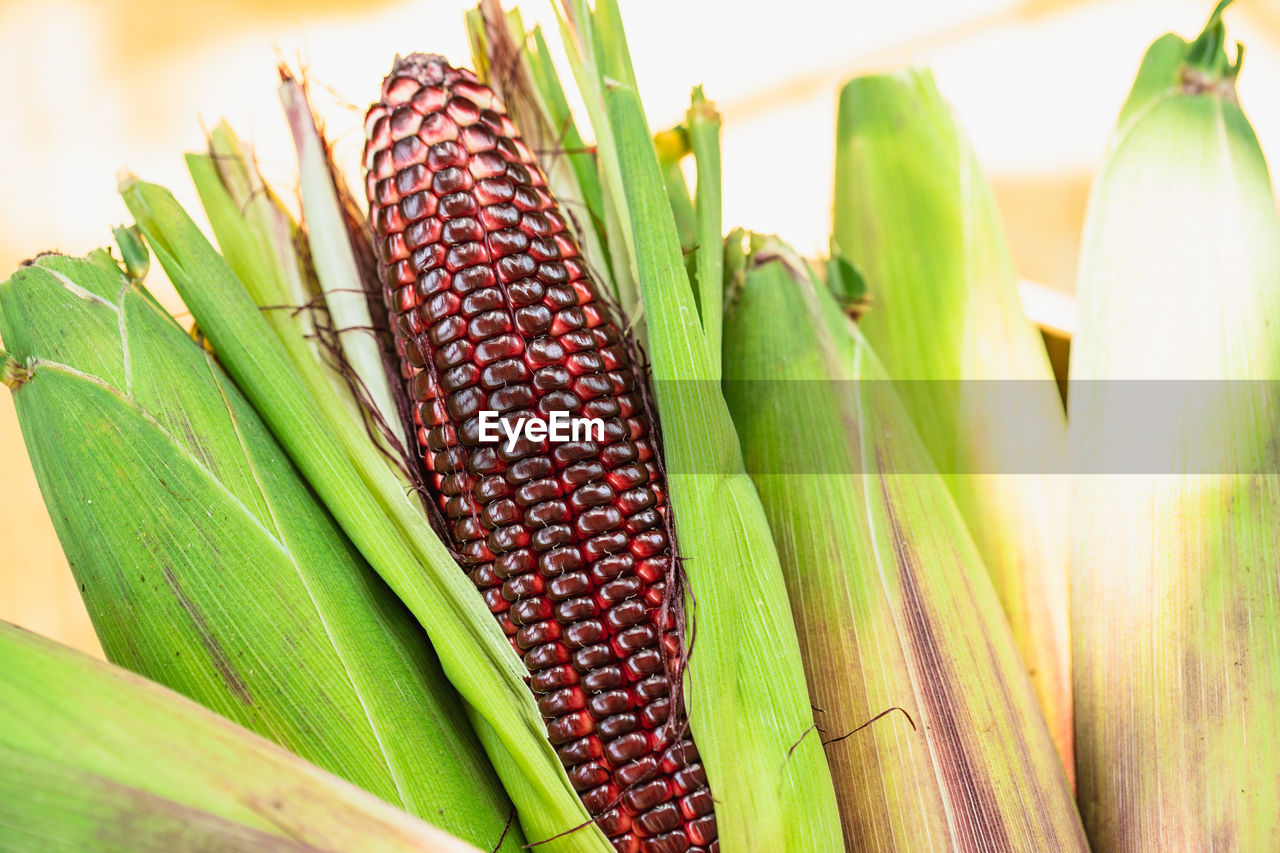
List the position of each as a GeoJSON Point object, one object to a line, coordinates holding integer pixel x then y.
{"type": "Point", "coordinates": [494, 309]}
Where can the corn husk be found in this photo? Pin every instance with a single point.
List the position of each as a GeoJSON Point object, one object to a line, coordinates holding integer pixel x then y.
{"type": "Point", "coordinates": [672, 146]}
{"type": "Point", "coordinates": [95, 758]}
{"type": "Point", "coordinates": [895, 611]}
{"type": "Point", "coordinates": [707, 264]}
{"type": "Point", "coordinates": [916, 218]}
{"type": "Point", "coordinates": [370, 498]}
{"type": "Point", "coordinates": [206, 563]}
{"type": "Point", "coordinates": [1176, 530]}
{"type": "Point", "coordinates": [333, 257]}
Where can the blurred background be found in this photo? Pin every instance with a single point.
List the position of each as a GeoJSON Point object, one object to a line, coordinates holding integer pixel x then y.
{"type": "Point", "coordinates": [89, 87]}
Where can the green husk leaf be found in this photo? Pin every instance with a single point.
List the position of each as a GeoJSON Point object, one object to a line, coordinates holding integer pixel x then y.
{"type": "Point", "coordinates": [894, 608]}
{"type": "Point", "coordinates": [578, 31]}
{"type": "Point", "coordinates": [334, 259]}
{"type": "Point", "coordinates": [133, 252]}
{"type": "Point", "coordinates": [708, 259]}
{"type": "Point", "coordinates": [844, 281]}
{"type": "Point", "coordinates": [371, 502]}
{"type": "Point", "coordinates": [580, 155]}
{"type": "Point", "coordinates": [95, 758]}
{"type": "Point", "coordinates": [748, 706]}
{"type": "Point", "coordinates": [263, 247]}
{"type": "Point", "coordinates": [672, 145]}
{"type": "Point", "coordinates": [206, 563]}
{"type": "Point", "coordinates": [915, 216]}
{"type": "Point", "coordinates": [233, 189]}
{"type": "Point", "coordinates": [1176, 605]}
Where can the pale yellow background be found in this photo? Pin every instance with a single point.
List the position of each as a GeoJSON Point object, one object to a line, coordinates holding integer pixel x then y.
{"type": "Point", "coordinates": [90, 86]}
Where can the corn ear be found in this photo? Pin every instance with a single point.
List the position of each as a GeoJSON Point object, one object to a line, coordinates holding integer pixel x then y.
{"type": "Point", "coordinates": [916, 218]}
{"type": "Point", "coordinates": [95, 758]}
{"type": "Point", "coordinates": [206, 563]}
{"type": "Point", "coordinates": [1176, 610]}
{"type": "Point", "coordinates": [578, 567]}
{"type": "Point", "coordinates": [895, 611]}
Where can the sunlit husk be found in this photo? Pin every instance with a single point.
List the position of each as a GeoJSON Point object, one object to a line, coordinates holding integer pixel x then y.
{"type": "Point", "coordinates": [1176, 609]}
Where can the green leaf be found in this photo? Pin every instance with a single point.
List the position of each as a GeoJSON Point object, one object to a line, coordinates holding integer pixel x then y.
{"type": "Point", "coordinates": [205, 561]}
{"type": "Point", "coordinates": [588, 64]}
{"type": "Point", "coordinates": [96, 758]}
{"type": "Point", "coordinates": [134, 252]}
{"type": "Point", "coordinates": [672, 145]}
{"type": "Point", "coordinates": [844, 281]}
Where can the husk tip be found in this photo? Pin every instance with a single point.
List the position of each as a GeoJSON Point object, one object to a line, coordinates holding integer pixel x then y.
{"type": "Point", "coordinates": [125, 180]}
{"type": "Point", "coordinates": [1208, 53]}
